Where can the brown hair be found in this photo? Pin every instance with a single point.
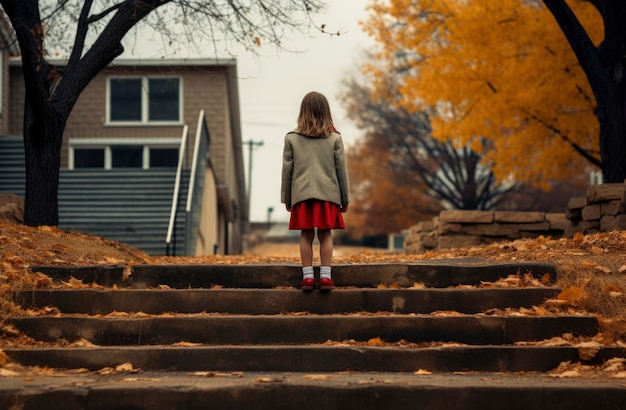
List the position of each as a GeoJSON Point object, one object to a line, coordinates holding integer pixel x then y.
{"type": "Point", "coordinates": [314, 119]}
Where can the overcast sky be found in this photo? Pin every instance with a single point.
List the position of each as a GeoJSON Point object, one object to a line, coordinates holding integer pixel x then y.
{"type": "Point", "coordinates": [271, 89]}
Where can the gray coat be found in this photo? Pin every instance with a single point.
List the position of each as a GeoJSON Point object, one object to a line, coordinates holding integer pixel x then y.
{"type": "Point", "coordinates": [314, 168]}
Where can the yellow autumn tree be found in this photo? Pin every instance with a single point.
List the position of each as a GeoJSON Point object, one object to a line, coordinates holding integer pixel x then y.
{"type": "Point", "coordinates": [496, 74]}
{"type": "Point", "coordinates": [383, 200]}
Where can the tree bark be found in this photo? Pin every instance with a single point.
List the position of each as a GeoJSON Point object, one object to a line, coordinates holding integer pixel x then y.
{"type": "Point", "coordinates": [42, 145]}
{"type": "Point", "coordinates": [612, 113]}
{"type": "Point", "coordinates": [604, 67]}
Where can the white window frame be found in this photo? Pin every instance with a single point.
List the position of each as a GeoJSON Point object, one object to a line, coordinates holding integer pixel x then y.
{"type": "Point", "coordinates": [144, 102]}
{"type": "Point", "coordinates": [106, 143]}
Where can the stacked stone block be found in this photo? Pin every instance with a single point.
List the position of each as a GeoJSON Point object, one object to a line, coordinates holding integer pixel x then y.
{"type": "Point", "coordinates": [602, 210]}
{"type": "Point", "coordinates": [456, 229]}
{"type": "Point", "coordinates": [421, 238]}
{"type": "Point", "coordinates": [11, 207]}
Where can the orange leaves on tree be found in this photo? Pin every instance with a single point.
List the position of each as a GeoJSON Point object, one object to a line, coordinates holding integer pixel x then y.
{"type": "Point", "coordinates": [496, 74]}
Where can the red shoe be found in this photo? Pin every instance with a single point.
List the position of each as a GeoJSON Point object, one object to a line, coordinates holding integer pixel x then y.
{"type": "Point", "coordinates": [326, 284]}
{"type": "Point", "coordinates": [307, 284]}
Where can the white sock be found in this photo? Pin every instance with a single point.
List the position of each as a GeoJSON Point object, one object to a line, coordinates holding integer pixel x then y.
{"type": "Point", "coordinates": [325, 272]}
{"type": "Point", "coordinates": [307, 272]}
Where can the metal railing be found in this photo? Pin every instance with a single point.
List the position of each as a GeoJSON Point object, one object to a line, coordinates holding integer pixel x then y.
{"type": "Point", "coordinates": [195, 188]}
{"type": "Point", "coordinates": [170, 239]}
{"type": "Point", "coordinates": [196, 183]}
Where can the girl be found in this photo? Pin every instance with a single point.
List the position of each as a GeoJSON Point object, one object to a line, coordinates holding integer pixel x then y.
{"type": "Point", "coordinates": [315, 185]}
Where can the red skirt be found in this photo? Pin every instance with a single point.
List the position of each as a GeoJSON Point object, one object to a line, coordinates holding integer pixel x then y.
{"type": "Point", "coordinates": [314, 213]}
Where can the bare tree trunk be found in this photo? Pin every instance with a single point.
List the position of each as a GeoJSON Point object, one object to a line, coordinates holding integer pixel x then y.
{"type": "Point", "coordinates": [42, 145]}
{"type": "Point", "coordinates": [612, 111]}
{"type": "Point", "coordinates": [613, 133]}
{"type": "Point", "coordinates": [605, 68]}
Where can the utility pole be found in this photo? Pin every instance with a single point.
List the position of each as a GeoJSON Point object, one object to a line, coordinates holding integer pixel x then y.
{"type": "Point", "coordinates": [251, 144]}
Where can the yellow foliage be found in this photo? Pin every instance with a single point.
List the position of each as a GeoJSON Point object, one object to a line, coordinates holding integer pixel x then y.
{"type": "Point", "coordinates": [497, 74]}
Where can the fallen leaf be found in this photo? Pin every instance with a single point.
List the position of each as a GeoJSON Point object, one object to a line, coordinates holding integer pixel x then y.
{"type": "Point", "coordinates": [82, 343]}
{"type": "Point", "coordinates": [74, 283]}
{"type": "Point", "coordinates": [568, 373]}
{"type": "Point", "coordinates": [126, 273]}
{"type": "Point", "coordinates": [614, 367]}
{"type": "Point", "coordinates": [375, 341]}
{"type": "Point", "coordinates": [317, 377]}
{"type": "Point", "coordinates": [572, 295]}
{"type": "Point", "coordinates": [555, 341]}
{"type": "Point", "coordinates": [203, 374]}
{"type": "Point", "coordinates": [8, 373]}
{"type": "Point", "coordinates": [587, 350]}
{"type": "Point", "coordinates": [186, 344]}
{"type": "Point", "coordinates": [602, 269]}
{"type": "Point", "coordinates": [269, 380]}
{"type": "Point", "coordinates": [612, 290]}
{"type": "Point", "coordinates": [124, 367]}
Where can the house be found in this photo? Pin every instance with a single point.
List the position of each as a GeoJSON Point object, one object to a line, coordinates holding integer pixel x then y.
{"type": "Point", "coordinates": [151, 154]}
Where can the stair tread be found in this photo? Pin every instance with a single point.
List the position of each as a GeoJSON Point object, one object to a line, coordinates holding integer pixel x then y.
{"type": "Point", "coordinates": [310, 391]}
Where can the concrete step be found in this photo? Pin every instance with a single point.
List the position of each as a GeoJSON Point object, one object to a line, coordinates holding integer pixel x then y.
{"type": "Point", "coordinates": [435, 273]}
{"type": "Point", "coordinates": [311, 358]}
{"type": "Point", "coordinates": [303, 329]}
{"type": "Point", "coordinates": [277, 301]}
{"type": "Point", "coordinates": [276, 391]}
{"type": "Point", "coordinates": [233, 319]}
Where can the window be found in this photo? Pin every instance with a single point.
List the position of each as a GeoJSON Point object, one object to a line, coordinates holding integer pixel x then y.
{"type": "Point", "coordinates": [143, 100]}
{"type": "Point", "coordinates": [88, 158]}
{"type": "Point", "coordinates": [111, 153]}
{"type": "Point", "coordinates": [163, 157]}
{"type": "Point", "coordinates": [163, 100]}
{"type": "Point", "coordinates": [127, 156]}
{"type": "Point", "coordinates": [125, 100]}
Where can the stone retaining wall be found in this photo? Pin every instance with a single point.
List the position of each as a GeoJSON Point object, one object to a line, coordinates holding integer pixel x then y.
{"type": "Point", "coordinates": [602, 210]}
{"type": "Point", "coordinates": [456, 229]}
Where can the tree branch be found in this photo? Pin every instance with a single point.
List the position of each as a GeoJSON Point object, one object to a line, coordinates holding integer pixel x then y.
{"type": "Point", "coordinates": [60, 6]}
{"type": "Point", "coordinates": [593, 160]}
{"type": "Point", "coordinates": [104, 50]}
{"type": "Point", "coordinates": [95, 17]}
{"type": "Point", "coordinates": [587, 54]}
{"type": "Point", "coordinates": [81, 34]}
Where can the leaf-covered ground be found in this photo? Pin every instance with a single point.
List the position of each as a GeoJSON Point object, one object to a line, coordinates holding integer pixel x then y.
{"type": "Point", "coordinates": [591, 270]}
{"type": "Point", "coordinates": [591, 267]}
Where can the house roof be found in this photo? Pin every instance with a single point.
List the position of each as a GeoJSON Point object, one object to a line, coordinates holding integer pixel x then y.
{"type": "Point", "coordinates": [150, 62]}
{"type": "Point", "coordinates": [7, 36]}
